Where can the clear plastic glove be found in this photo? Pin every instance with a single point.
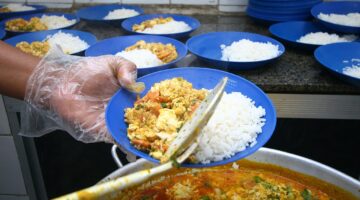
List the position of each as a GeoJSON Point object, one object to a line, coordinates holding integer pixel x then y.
{"type": "Point", "coordinates": [71, 93]}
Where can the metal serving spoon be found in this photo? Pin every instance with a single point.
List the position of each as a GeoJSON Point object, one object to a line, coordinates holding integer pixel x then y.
{"type": "Point", "coordinates": [184, 143]}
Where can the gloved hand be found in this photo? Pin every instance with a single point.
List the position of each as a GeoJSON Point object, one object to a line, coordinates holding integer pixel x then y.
{"type": "Point", "coordinates": [71, 93]}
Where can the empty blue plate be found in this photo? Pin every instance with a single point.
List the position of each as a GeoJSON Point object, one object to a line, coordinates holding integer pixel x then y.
{"type": "Point", "coordinates": [117, 44]}
{"type": "Point", "coordinates": [335, 57]}
{"type": "Point", "coordinates": [290, 32]}
{"type": "Point", "coordinates": [97, 13]}
{"type": "Point", "coordinates": [200, 78]}
{"type": "Point", "coordinates": [207, 47]}
{"type": "Point", "coordinates": [38, 9]}
{"type": "Point", "coordinates": [192, 22]}
{"type": "Point", "coordinates": [28, 17]}
{"type": "Point", "coordinates": [342, 8]}
{"type": "Point", "coordinates": [89, 38]}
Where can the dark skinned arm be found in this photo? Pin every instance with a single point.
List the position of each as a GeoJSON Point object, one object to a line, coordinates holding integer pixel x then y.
{"type": "Point", "coordinates": [15, 69]}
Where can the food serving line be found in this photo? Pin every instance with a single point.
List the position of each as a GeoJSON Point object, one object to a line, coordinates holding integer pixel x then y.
{"type": "Point", "coordinates": [297, 84]}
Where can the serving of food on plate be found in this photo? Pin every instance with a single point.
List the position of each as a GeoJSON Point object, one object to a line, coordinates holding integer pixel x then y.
{"type": "Point", "coordinates": [161, 25]}
{"type": "Point", "coordinates": [40, 22]}
{"type": "Point", "coordinates": [341, 16]}
{"type": "Point", "coordinates": [235, 50]}
{"type": "Point", "coordinates": [19, 9]}
{"type": "Point", "coordinates": [39, 43]}
{"type": "Point", "coordinates": [15, 7]}
{"type": "Point", "coordinates": [109, 13]}
{"type": "Point", "coordinates": [156, 119]}
{"type": "Point", "coordinates": [242, 122]}
{"type": "Point", "coordinates": [308, 35]}
{"type": "Point", "coordinates": [149, 54]}
{"type": "Point", "coordinates": [68, 43]}
{"type": "Point", "coordinates": [170, 25]}
{"type": "Point", "coordinates": [121, 13]}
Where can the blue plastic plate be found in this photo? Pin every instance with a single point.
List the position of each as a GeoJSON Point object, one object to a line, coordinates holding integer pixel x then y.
{"type": "Point", "coordinates": [207, 47]}
{"type": "Point", "coordinates": [200, 78]}
{"type": "Point", "coordinates": [290, 32]}
{"type": "Point", "coordinates": [38, 9]}
{"type": "Point", "coordinates": [278, 11]}
{"type": "Point", "coordinates": [2, 33]}
{"type": "Point", "coordinates": [28, 17]}
{"type": "Point", "coordinates": [41, 35]}
{"type": "Point", "coordinates": [274, 18]}
{"type": "Point", "coordinates": [285, 4]}
{"type": "Point", "coordinates": [337, 8]}
{"type": "Point", "coordinates": [117, 44]}
{"type": "Point", "coordinates": [334, 56]}
{"type": "Point", "coordinates": [192, 22]}
{"type": "Point", "coordinates": [97, 13]}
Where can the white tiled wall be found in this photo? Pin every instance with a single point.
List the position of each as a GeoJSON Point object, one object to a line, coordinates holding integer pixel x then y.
{"type": "Point", "coordinates": [195, 2]}
{"type": "Point", "coordinates": [145, 1]}
{"type": "Point", "coordinates": [97, 1]}
{"type": "Point", "coordinates": [224, 5]}
{"type": "Point", "coordinates": [12, 1]}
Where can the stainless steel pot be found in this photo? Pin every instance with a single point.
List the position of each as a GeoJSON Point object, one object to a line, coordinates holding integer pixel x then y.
{"type": "Point", "coordinates": [271, 156]}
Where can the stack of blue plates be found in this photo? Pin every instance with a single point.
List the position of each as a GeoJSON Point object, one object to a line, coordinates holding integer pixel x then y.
{"type": "Point", "coordinates": [272, 11]}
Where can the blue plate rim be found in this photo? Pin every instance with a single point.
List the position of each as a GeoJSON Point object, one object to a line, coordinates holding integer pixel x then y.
{"type": "Point", "coordinates": [316, 55]}
{"type": "Point", "coordinates": [212, 164]}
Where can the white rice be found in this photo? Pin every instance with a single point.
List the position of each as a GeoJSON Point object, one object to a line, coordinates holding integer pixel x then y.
{"type": "Point", "coordinates": [69, 43]}
{"type": "Point", "coordinates": [350, 19]}
{"type": "Point", "coordinates": [121, 13]}
{"type": "Point", "coordinates": [54, 22]}
{"type": "Point", "coordinates": [246, 50]}
{"type": "Point", "coordinates": [322, 38]}
{"type": "Point", "coordinates": [169, 27]}
{"type": "Point", "coordinates": [17, 7]}
{"type": "Point", "coordinates": [142, 58]}
{"type": "Point", "coordinates": [354, 70]}
{"type": "Point", "coordinates": [234, 126]}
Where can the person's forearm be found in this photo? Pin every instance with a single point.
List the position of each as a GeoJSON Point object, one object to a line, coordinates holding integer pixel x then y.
{"type": "Point", "coordinates": [15, 69]}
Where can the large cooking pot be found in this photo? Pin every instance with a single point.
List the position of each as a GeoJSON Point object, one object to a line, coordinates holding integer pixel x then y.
{"type": "Point", "coordinates": [270, 156]}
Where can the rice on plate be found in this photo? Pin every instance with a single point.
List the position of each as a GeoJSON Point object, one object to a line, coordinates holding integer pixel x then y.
{"type": "Point", "coordinates": [15, 7]}
{"type": "Point", "coordinates": [121, 13]}
{"type": "Point", "coordinates": [55, 22]}
{"type": "Point", "coordinates": [150, 54]}
{"type": "Point", "coordinates": [350, 19]}
{"type": "Point", "coordinates": [69, 44]}
{"type": "Point", "coordinates": [246, 50]}
{"type": "Point", "coordinates": [234, 126]}
{"type": "Point", "coordinates": [322, 38]}
{"type": "Point", "coordinates": [161, 25]}
{"type": "Point", "coordinates": [37, 23]}
{"type": "Point", "coordinates": [354, 69]}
